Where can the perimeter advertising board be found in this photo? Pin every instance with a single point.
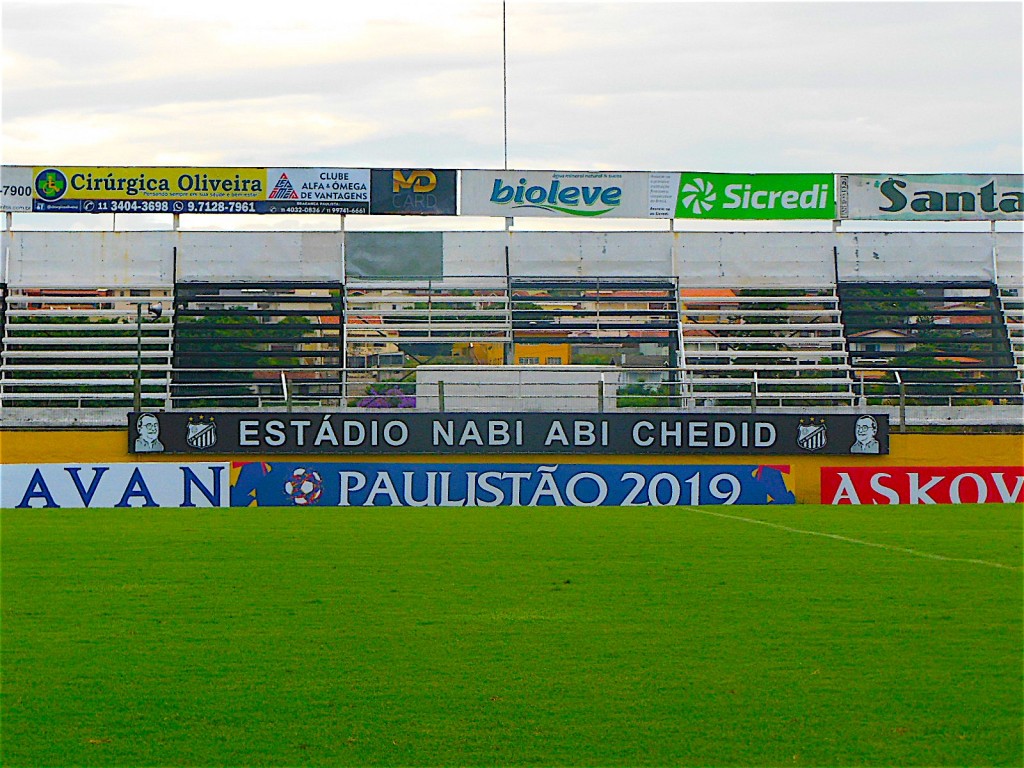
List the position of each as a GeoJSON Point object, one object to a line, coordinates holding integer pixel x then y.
{"type": "Point", "coordinates": [515, 433]}
{"type": "Point", "coordinates": [581, 194]}
{"type": "Point", "coordinates": [116, 189]}
{"type": "Point", "coordinates": [922, 485]}
{"type": "Point", "coordinates": [157, 484]}
{"type": "Point", "coordinates": [340, 484]}
{"type": "Point", "coordinates": [931, 197]}
{"type": "Point", "coordinates": [15, 188]}
{"type": "Point", "coordinates": [748, 196]}
{"type": "Point", "coordinates": [283, 483]}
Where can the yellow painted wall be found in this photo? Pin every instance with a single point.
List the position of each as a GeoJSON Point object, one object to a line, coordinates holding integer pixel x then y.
{"type": "Point", "coordinates": [96, 446]}
{"type": "Point", "coordinates": [542, 351]}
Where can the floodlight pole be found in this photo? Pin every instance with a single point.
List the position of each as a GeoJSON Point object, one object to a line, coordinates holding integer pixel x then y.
{"type": "Point", "coordinates": [504, 80]}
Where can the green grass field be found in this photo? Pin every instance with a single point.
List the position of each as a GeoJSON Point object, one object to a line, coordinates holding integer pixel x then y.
{"type": "Point", "coordinates": [640, 636]}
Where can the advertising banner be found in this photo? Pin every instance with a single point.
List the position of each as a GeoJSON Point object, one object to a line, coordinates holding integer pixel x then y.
{"type": "Point", "coordinates": [116, 189]}
{"type": "Point", "coordinates": [338, 191]}
{"type": "Point", "coordinates": [398, 433]}
{"type": "Point", "coordinates": [755, 196]}
{"type": "Point", "coordinates": [274, 483]}
{"type": "Point", "coordinates": [318, 190]}
{"type": "Point", "coordinates": [922, 485]}
{"type": "Point", "coordinates": [15, 188]}
{"type": "Point", "coordinates": [932, 197]}
{"type": "Point", "coordinates": [593, 194]}
{"type": "Point", "coordinates": [413, 191]}
{"type": "Point", "coordinates": [158, 484]}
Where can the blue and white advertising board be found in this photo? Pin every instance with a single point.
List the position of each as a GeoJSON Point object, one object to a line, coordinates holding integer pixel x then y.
{"type": "Point", "coordinates": [156, 484]}
{"type": "Point", "coordinates": [286, 483]}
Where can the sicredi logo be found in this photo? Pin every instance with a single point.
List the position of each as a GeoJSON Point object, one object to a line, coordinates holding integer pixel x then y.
{"type": "Point", "coordinates": [756, 196]}
{"type": "Point", "coordinates": [583, 200]}
{"type": "Point", "coordinates": [698, 196]}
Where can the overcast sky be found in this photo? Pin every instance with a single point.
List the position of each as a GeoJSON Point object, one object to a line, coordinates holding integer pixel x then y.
{"type": "Point", "coordinates": [907, 87]}
{"type": "Point", "coordinates": [758, 87]}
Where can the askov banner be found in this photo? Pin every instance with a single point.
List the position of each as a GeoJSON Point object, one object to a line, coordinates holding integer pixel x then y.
{"type": "Point", "coordinates": [922, 485]}
{"type": "Point", "coordinates": [756, 196]}
{"type": "Point", "coordinates": [586, 194]}
{"type": "Point", "coordinates": [340, 191]}
{"type": "Point", "coordinates": [936, 197]}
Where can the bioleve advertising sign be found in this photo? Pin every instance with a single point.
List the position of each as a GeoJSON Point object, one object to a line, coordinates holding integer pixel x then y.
{"type": "Point", "coordinates": [922, 485]}
{"type": "Point", "coordinates": [755, 196]}
{"type": "Point", "coordinates": [583, 194]}
{"type": "Point", "coordinates": [932, 197]}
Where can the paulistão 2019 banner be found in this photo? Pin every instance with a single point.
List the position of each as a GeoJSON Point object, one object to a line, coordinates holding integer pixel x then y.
{"type": "Point", "coordinates": [285, 483]}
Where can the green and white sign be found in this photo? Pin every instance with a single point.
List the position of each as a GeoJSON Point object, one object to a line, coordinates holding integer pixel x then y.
{"type": "Point", "coordinates": [756, 196]}
{"type": "Point", "coordinates": [932, 197]}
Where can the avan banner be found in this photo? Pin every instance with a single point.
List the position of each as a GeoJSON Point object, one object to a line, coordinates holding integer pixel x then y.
{"type": "Point", "coordinates": [399, 433]}
{"type": "Point", "coordinates": [922, 485]}
{"type": "Point", "coordinates": [932, 197]}
{"type": "Point", "coordinates": [583, 194]}
{"type": "Point", "coordinates": [291, 483]}
{"type": "Point", "coordinates": [156, 484]}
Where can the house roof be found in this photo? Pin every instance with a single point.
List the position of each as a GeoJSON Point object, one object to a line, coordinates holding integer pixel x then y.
{"type": "Point", "coordinates": [883, 333]}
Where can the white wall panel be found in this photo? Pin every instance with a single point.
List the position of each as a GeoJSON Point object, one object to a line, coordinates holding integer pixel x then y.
{"type": "Point", "coordinates": [591, 254]}
{"type": "Point", "coordinates": [474, 253]}
{"type": "Point", "coordinates": [1010, 259]}
{"type": "Point", "coordinates": [231, 256]}
{"type": "Point", "coordinates": [89, 259]}
{"type": "Point", "coordinates": [914, 256]}
{"type": "Point", "coordinates": [755, 259]}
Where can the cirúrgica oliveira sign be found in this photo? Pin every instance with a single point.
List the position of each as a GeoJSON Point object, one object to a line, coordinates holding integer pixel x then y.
{"type": "Point", "coordinates": [517, 433]}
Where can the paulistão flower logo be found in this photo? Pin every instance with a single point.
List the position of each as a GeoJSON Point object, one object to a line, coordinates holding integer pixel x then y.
{"type": "Point", "coordinates": [698, 196]}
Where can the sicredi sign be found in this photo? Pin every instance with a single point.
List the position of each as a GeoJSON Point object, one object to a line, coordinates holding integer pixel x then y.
{"type": "Point", "coordinates": [932, 197]}
{"type": "Point", "coordinates": [585, 194]}
{"type": "Point", "coordinates": [756, 196]}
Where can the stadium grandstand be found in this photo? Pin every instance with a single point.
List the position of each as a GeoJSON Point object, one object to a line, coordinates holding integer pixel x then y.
{"type": "Point", "coordinates": [926, 324]}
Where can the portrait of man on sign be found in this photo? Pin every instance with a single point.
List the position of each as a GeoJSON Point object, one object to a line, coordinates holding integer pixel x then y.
{"type": "Point", "coordinates": [866, 429]}
{"type": "Point", "coordinates": [148, 440]}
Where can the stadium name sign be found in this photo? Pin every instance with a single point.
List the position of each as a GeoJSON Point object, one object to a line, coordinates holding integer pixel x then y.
{"type": "Point", "coordinates": [937, 197]}
{"type": "Point", "coordinates": [522, 433]}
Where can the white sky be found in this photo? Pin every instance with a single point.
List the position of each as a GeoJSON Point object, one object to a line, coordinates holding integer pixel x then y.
{"type": "Point", "coordinates": [751, 87]}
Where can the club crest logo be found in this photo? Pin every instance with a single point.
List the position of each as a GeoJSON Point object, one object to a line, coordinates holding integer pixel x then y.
{"type": "Point", "coordinates": [812, 434]}
{"type": "Point", "coordinates": [202, 432]}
